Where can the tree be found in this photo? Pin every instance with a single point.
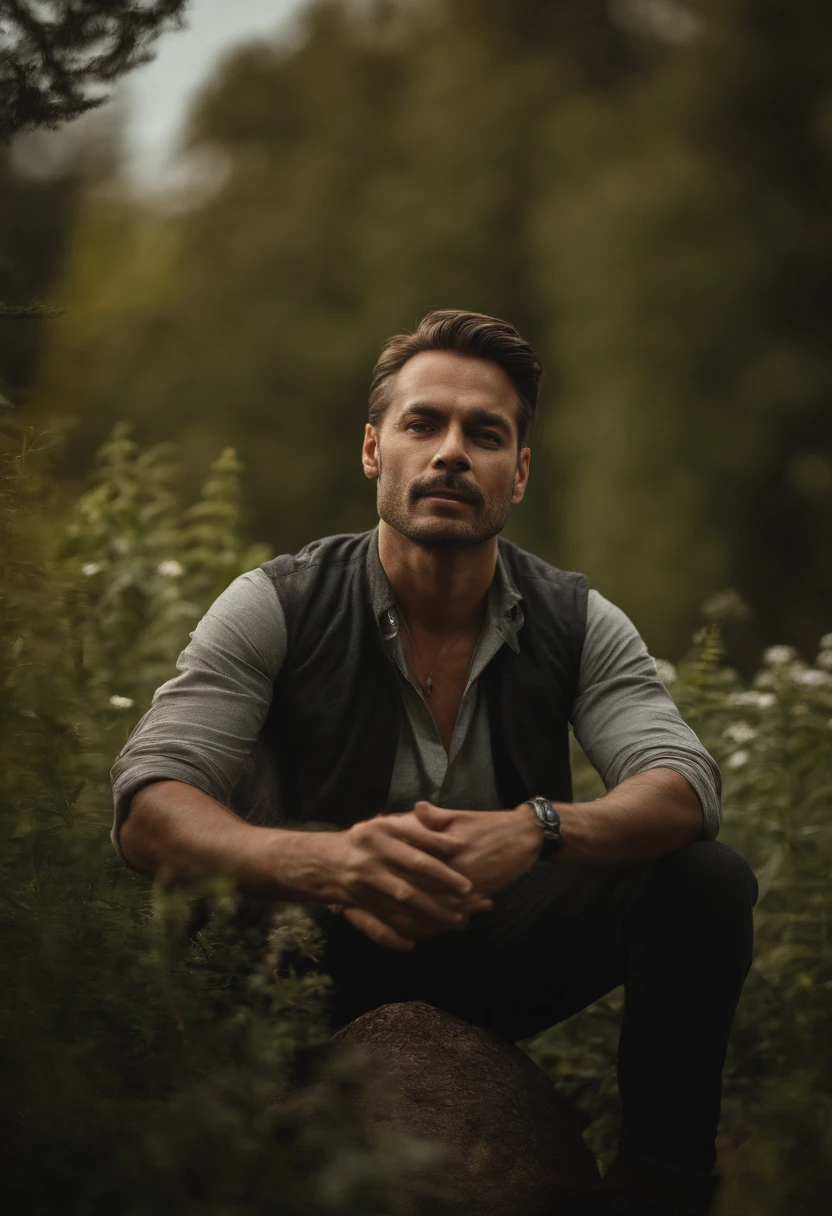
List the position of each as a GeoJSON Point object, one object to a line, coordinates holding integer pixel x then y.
{"type": "Point", "coordinates": [385, 164]}
{"type": "Point", "coordinates": [60, 58]}
{"type": "Point", "coordinates": [689, 264]}
{"type": "Point", "coordinates": [642, 188]}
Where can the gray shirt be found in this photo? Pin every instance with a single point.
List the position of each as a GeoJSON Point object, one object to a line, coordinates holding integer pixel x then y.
{"type": "Point", "coordinates": [203, 723]}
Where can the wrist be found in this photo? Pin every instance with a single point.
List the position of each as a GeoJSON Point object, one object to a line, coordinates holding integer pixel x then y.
{"type": "Point", "coordinates": [529, 830]}
{"type": "Point", "coordinates": [300, 866]}
{"type": "Point", "coordinates": [546, 819]}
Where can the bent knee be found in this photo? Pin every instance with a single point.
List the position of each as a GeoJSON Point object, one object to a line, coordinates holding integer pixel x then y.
{"type": "Point", "coordinates": [707, 875]}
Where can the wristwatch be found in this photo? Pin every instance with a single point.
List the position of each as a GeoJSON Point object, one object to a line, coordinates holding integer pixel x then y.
{"type": "Point", "coordinates": [549, 821]}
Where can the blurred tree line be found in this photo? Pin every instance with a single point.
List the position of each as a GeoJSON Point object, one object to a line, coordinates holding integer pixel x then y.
{"type": "Point", "coordinates": [641, 186]}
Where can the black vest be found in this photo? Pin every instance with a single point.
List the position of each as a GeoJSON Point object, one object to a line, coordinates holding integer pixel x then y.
{"type": "Point", "coordinates": [326, 751]}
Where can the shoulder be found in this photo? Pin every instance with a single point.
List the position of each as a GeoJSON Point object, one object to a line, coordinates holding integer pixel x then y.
{"type": "Point", "coordinates": [604, 616]}
{"type": "Point", "coordinates": [613, 643]}
{"type": "Point", "coordinates": [245, 622]}
{"type": "Point", "coordinates": [321, 583]}
{"type": "Point", "coordinates": [339, 551]}
{"type": "Point", "coordinates": [248, 598]}
{"type": "Point", "coordinates": [531, 568]}
{"type": "Point", "coordinates": [554, 597]}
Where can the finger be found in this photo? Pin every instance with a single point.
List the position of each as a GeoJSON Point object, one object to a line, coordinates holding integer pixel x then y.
{"type": "Point", "coordinates": [407, 919]}
{"type": "Point", "coordinates": [436, 817]}
{"type": "Point", "coordinates": [450, 915]}
{"type": "Point", "coordinates": [381, 882]}
{"type": "Point", "coordinates": [408, 827]}
{"type": "Point", "coordinates": [449, 911]}
{"type": "Point", "coordinates": [419, 866]}
{"type": "Point", "coordinates": [480, 904]}
{"type": "Point", "coordinates": [377, 931]}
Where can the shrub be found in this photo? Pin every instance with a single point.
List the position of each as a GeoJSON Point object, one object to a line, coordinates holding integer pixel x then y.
{"type": "Point", "coordinates": [142, 1063]}
{"type": "Point", "coordinates": [772, 737]}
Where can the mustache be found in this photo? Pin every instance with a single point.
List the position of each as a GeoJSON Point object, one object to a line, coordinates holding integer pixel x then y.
{"type": "Point", "coordinates": [449, 481]}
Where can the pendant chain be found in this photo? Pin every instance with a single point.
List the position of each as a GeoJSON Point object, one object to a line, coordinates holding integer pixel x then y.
{"type": "Point", "coordinates": [428, 684]}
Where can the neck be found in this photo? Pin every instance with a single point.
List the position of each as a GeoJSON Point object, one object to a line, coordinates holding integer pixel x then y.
{"type": "Point", "coordinates": [440, 590]}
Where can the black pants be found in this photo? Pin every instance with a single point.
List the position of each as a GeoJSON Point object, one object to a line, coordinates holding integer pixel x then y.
{"type": "Point", "coordinates": [677, 933]}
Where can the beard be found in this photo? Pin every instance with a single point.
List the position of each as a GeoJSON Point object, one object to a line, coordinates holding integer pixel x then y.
{"type": "Point", "coordinates": [397, 508]}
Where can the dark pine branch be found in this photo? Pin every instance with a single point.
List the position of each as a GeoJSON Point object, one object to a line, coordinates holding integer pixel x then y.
{"type": "Point", "coordinates": [58, 58]}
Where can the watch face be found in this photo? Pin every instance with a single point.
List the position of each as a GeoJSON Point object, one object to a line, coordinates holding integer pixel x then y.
{"type": "Point", "coordinates": [549, 820]}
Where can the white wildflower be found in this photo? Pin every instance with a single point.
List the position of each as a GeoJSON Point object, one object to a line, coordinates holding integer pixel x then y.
{"type": "Point", "coordinates": [121, 702]}
{"type": "Point", "coordinates": [825, 660]}
{"type": "Point", "coordinates": [170, 569]}
{"type": "Point", "coordinates": [757, 700]}
{"type": "Point", "coordinates": [91, 568]}
{"type": "Point", "coordinates": [814, 678]}
{"type": "Point", "coordinates": [763, 679]}
{"type": "Point", "coordinates": [740, 732]}
{"type": "Point", "coordinates": [121, 545]}
{"type": "Point", "coordinates": [826, 642]}
{"type": "Point", "coordinates": [665, 671]}
{"type": "Point", "coordinates": [777, 656]}
{"type": "Point", "coordinates": [738, 759]}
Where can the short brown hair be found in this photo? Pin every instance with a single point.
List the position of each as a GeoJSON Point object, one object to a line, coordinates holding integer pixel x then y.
{"type": "Point", "coordinates": [464, 333]}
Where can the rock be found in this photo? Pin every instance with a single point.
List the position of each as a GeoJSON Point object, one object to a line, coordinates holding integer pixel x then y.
{"type": "Point", "coordinates": [514, 1144]}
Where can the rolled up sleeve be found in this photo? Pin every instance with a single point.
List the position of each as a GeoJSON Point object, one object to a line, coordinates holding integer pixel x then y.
{"type": "Point", "coordinates": [626, 721]}
{"type": "Point", "coordinates": [203, 723]}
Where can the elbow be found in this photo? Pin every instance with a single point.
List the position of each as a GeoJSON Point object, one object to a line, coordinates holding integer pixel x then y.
{"type": "Point", "coordinates": [138, 834]}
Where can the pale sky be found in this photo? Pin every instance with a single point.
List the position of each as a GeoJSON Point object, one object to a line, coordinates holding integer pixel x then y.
{"type": "Point", "coordinates": [156, 96]}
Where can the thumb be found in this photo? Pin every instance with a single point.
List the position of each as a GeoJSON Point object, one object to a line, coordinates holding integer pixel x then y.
{"type": "Point", "coordinates": [431, 816]}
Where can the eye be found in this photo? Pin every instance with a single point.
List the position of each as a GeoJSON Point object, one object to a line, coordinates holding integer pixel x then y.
{"type": "Point", "coordinates": [488, 437]}
{"type": "Point", "coordinates": [412, 426]}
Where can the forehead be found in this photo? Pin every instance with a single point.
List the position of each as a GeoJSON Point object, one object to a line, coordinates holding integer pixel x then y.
{"type": "Point", "coordinates": [452, 381]}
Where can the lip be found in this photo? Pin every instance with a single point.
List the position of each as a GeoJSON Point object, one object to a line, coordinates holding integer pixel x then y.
{"type": "Point", "coordinates": [448, 496]}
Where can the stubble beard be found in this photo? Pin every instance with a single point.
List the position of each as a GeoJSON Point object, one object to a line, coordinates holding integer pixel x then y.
{"type": "Point", "coordinates": [397, 508]}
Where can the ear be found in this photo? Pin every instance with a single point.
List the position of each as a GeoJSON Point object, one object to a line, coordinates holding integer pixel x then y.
{"type": "Point", "coordinates": [521, 475]}
{"type": "Point", "coordinates": [369, 452]}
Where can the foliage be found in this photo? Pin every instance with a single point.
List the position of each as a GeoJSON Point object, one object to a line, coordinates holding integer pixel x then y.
{"type": "Point", "coordinates": [59, 58]}
{"type": "Point", "coordinates": [142, 1063]}
{"type": "Point", "coordinates": [37, 214]}
{"type": "Point", "coordinates": [772, 737]}
{"type": "Point", "coordinates": [642, 187]}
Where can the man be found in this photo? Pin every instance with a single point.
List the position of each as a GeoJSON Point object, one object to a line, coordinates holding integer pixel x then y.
{"type": "Point", "coordinates": [413, 686]}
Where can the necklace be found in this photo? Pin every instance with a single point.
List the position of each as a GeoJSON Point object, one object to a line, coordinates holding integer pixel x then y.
{"type": "Point", "coordinates": [427, 687]}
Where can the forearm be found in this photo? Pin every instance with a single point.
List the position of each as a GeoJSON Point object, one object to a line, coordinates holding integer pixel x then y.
{"type": "Point", "coordinates": [645, 817]}
{"type": "Point", "coordinates": [177, 829]}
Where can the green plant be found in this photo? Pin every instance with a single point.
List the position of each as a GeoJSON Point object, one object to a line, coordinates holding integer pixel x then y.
{"type": "Point", "coordinates": [143, 1062]}
{"type": "Point", "coordinates": [772, 736]}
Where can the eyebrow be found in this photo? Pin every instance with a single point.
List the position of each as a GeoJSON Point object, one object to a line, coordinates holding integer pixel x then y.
{"type": "Point", "coordinates": [422, 409]}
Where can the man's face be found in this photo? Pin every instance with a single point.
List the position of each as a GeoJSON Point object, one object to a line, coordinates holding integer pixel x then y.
{"type": "Point", "coordinates": [445, 454]}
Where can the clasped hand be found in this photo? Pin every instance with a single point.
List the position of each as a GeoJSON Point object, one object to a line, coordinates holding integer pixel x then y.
{"type": "Point", "coordinates": [426, 871]}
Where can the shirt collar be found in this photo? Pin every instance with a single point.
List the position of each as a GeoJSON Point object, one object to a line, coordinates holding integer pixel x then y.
{"type": "Point", "coordinates": [504, 608]}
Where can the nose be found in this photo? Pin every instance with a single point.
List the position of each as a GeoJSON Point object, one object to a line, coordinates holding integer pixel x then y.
{"type": "Point", "coordinates": [451, 453]}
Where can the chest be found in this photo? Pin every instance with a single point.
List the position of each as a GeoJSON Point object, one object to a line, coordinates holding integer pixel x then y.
{"type": "Point", "coordinates": [443, 678]}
